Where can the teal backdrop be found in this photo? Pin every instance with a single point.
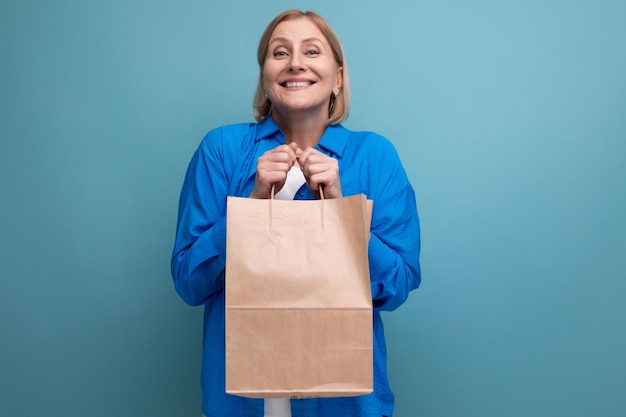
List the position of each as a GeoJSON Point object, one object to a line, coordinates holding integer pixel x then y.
{"type": "Point", "coordinates": [510, 118]}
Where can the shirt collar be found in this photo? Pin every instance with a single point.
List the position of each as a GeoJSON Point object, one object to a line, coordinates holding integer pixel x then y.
{"type": "Point", "coordinates": [267, 129]}
{"type": "Point", "coordinates": [333, 140]}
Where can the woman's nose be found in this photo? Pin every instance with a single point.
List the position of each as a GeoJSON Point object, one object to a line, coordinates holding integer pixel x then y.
{"type": "Point", "coordinates": [296, 64]}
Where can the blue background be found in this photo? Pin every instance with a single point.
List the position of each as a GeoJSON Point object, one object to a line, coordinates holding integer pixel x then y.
{"type": "Point", "coordinates": [510, 118]}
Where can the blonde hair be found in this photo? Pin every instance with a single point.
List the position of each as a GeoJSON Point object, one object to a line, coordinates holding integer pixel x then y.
{"type": "Point", "coordinates": [340, 104]}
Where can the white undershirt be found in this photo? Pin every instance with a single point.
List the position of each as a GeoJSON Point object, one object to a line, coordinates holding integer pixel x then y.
{"type": "Point", "coordinates": [295, 179]}
{"type": "Point", "coordinates": [281, 407]}
{"type": "Point", "coordinates": [277, 407]}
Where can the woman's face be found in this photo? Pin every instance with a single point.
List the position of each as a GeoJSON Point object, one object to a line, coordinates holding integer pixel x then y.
{"type": "Point", "coordinates": [300, 72]}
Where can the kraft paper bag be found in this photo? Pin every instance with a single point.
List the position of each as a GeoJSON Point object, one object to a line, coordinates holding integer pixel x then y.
{"type": "Point", "coordinates": [298, 298]}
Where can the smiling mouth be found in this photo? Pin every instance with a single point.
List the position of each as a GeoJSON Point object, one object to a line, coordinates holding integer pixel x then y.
{"type": "Point", "coordinates": [294, 84]}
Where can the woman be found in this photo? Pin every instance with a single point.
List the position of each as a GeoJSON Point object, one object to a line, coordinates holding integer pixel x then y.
{"type": "Point", "coordinates": [298, 144]}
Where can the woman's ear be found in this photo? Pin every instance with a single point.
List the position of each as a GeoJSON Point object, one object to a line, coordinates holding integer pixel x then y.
{"type": "Point", "coordinates": [338, 81]}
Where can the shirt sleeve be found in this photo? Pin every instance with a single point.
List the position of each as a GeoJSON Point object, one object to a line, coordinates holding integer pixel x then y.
{"type": "Point", "coordinates": [199, 254]}
{"type": "Point", "coordinates": [394, 245]}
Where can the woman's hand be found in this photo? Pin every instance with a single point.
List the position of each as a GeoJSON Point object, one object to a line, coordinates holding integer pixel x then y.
{"type": "Point", "coordinates": [272, 168]}
{"type": "Point", "coordinates": [320, 169]}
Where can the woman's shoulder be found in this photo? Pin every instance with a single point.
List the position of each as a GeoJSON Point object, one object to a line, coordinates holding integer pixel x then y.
{"type": "Point", "coordinates": [231, 132]}
{"type": "Point", "coordinates": [227, 138]}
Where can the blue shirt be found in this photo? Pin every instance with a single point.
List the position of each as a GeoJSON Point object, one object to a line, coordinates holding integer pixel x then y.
{"type": "Point", "coordinates": [225, 165]}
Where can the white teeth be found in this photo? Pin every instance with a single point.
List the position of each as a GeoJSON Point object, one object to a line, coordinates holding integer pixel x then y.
{"type": "Point", "coordinates": [297, 84]}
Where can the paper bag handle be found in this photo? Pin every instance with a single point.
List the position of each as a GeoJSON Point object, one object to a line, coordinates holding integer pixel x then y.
{"type": "Point", "coordinates": [321, 188]}
{"type": "Point", "coordinates": [321, 192]}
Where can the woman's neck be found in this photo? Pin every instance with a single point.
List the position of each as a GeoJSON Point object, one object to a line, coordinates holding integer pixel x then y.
{"type": "Point", "coordinates": [304, 130]}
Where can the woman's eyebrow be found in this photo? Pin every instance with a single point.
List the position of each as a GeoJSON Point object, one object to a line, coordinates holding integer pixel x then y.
{"type": "Point", "coordinates": [309, 40]}
{"type": "Point", "coordinates": [285, 40]}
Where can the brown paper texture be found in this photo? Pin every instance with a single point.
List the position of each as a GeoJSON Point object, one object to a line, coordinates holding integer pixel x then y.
{"type": "Point", "coordinates": [298, 298]}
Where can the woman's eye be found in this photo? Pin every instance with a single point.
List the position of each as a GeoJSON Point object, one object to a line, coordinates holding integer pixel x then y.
{"type": "Point", "coordinates": [312, 52]}
{"type": "Point", "coordinates": [280, 53]}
